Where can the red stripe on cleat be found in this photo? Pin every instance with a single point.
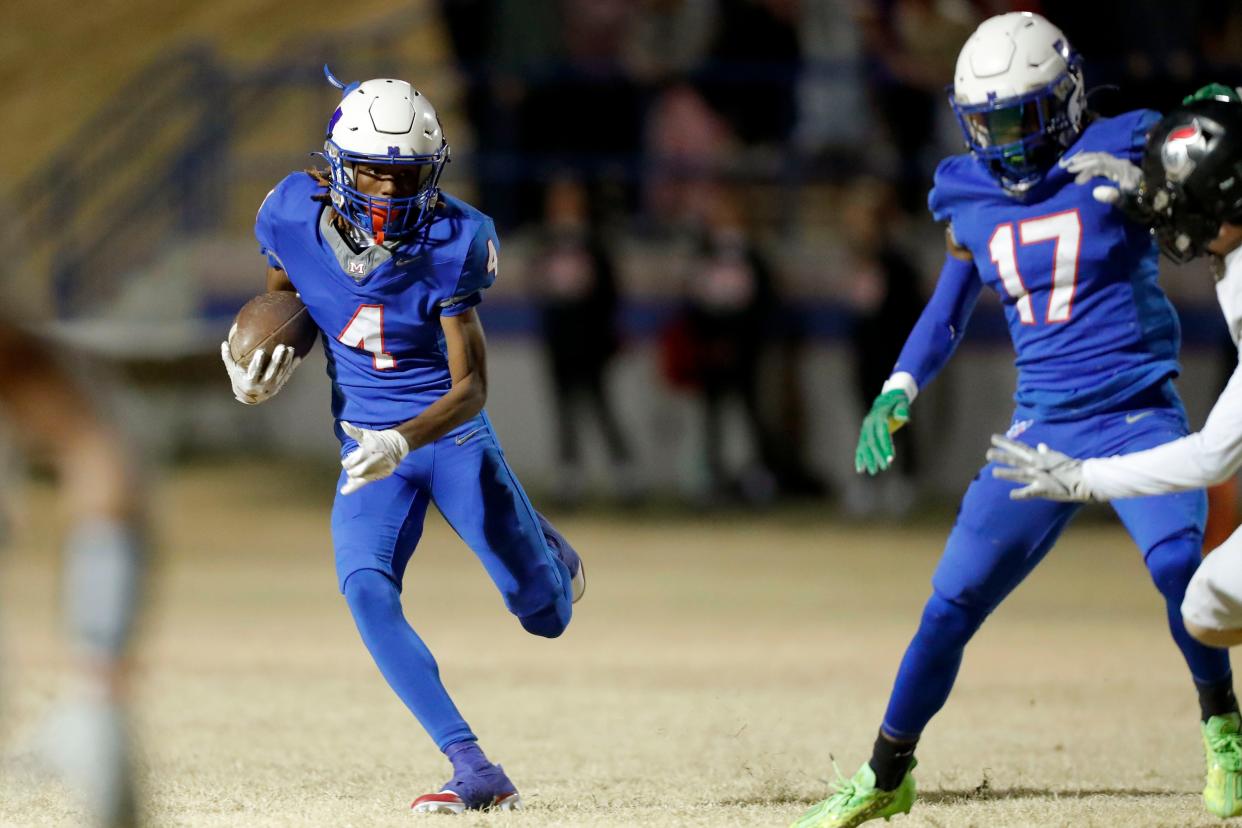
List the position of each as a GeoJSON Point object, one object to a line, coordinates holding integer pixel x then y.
{"type": "Point", "coordinates": [444, 802]}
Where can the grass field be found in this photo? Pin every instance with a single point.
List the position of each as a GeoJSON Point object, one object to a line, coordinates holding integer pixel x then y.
{"type": "Point", "coordinates": [711, 670]}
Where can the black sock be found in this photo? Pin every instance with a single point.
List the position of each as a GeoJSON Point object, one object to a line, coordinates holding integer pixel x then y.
{"type": "Point", "coordinates": [890, 760]}
{"type": "Point", "coordinates": [1217, 698]}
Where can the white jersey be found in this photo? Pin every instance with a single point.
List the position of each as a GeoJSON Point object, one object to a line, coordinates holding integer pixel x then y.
{"type": "Point", "coordinates": [1204, 458]}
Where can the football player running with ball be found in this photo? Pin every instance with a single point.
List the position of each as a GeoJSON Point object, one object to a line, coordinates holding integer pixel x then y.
{"type": "Point", "coordinates": [1188, 188]}
{"type": "Point", "coordinates": [391, 269]}
{"type": "Point", "coordinates": [1096, 344]}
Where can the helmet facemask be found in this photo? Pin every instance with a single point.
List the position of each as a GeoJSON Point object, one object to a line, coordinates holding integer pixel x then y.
{"type": "Point", "coordinates": [1020, 138]}
{"type": "Point", "coordinates": [1184, 231]}
{"type": "Point", "coordinates": [384, 218]}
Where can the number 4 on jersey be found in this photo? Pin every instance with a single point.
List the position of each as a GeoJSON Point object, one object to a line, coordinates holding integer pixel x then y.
{"type": "Point", "coordinates": [492, 262]}
{"type": "Point", "coordinates": [366, 331]}
{"type": "Point", "coordinates": [1066, 229]}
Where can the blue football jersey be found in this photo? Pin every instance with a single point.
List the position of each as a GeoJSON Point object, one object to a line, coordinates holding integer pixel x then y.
{"type": "Point", "coordinates": [1089, 323]}
{"type": "Point", "coordinates": [379, 310]}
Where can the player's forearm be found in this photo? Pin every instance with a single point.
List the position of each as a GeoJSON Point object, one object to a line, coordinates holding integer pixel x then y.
{"type": "Point", "coordinates": [1191, 462]}
{"type": "Point", "coordinates": [463, 402]}
{"type": "Point", "coordinates": [1182, 465]}
{"type": "Point", "coordinates": [940, 327]}
{"type": "Point", "coordinates": [1205, 458]}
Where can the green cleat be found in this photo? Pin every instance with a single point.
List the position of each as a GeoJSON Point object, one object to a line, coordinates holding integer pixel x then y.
{"type": "Point", "coordinates": [1222, 744]}
{"type": "Point", "coordinates": [858, 800]}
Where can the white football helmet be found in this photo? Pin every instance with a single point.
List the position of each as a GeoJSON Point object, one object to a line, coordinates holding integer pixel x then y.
{"type": "Point", "coordinates": [1019, 96]}
{"type": "Point", "coordinates": [384, 121]}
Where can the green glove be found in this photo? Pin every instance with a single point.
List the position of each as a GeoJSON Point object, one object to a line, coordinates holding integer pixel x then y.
{"type": "Point", "coordinates": [889, 412]}
{"type": "Point", "coordinates": [1214, 91]}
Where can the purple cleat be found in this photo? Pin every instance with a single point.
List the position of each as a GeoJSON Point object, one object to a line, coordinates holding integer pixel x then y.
{"type": "Point", "coordinates": [471, 790]}
{"type": "Point", "coordinates": [571, 559]}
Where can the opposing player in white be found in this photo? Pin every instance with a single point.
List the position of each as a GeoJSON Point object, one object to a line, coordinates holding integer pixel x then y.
{"type": "Point", "coordinates": [1190, 188]}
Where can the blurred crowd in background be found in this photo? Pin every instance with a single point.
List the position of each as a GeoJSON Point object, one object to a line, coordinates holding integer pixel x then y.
{"type": "Point", "coordinates": [721, 186]}
{"type": "Point", "coordinates": [676, 116]}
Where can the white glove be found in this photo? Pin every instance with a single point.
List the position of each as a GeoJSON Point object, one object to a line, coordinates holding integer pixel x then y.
{"type": "Point", "coordinates": [377, 456]}
{"type": "Point", "coordinates": [1048, 474]}
{"type": "Point", "coordinates": [262, 378]}
{"type": "Point", "coordinates": [1089, 165]}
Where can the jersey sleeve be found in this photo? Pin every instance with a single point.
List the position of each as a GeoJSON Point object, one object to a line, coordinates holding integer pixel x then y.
{"type": "Point", "coordinates": [940, 200]}
{"type": "Point", "coordinates": [939, 328]}
{"type": "Point", "coordinates": [264, 232]}
{"type": "Point", "coordinates": [1144, 121]}
{"type": "Point", "coordinates": [478, 272]}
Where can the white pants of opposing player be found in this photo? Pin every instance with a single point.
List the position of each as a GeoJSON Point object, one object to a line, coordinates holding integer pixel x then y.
{"type": "Point", "coordinates": [1213, 601]}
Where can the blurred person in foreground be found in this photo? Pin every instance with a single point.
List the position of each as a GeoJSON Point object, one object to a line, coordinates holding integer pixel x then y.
{"type": "Point", "coordinates": [579, 304]}
{"type": "Point", "coordinates": [887, 298]}
{"type": "Point", "coordinates": [1096, 345]}
{"type": "Point", "coordinates": [391, 270]}
{"type": "Point", "coordinates": [85, 740]}
{"type": "Point", "coordinates": [1188, 189]}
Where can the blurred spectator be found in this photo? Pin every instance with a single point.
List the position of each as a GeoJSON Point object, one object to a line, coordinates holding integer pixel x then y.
{"type": "Point", "coordinates": [887, 300]}
{"type": "Point", "coordinates": [911, 47]}
{"type": "Point", "coordinates": [578, 292]}
{"type": "Point", "coordinates": [794, 478]}
{"type": "Point", "coordinates": [671, 38]}
{"type": "Point", "coordinates": [1221, 36]}
{"type": "Point", "coordinates": [583, 109]}
{"type": "Point", "coordinates": [689, 147]}
{"type": "Point", "coordinates": [500, 45]}
{"type": "Point", "coordinates": [751, 75]}
{"type": "Point", "coordinates": [1153, 51]}
{"type": "Point", "coordinates": [833, 82]}
{"type": "Point", "coordinates": [716, 345]}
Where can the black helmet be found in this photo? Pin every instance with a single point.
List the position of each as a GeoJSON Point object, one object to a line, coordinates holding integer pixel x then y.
{"type": "Point", "coordinates": [1192, 175]}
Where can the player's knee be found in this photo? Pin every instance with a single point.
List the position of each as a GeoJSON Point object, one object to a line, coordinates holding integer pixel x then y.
{"type": "Point", "coordinates": [950, 621]}
{"type": "Point", "coordinates": [1213, 637]}
{"type": "Point", "coordinates": [1208, 611]}
{"type": "Point", "coordinates": [548, 622]}
{"type": "Point", "coordinates": [370, 592]}
{"type": "Point", "coordinates": [1172, 563]}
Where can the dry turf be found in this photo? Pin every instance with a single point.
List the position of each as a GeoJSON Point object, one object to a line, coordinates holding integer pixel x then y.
{"type": "Point", "coordinates": [713, 668]}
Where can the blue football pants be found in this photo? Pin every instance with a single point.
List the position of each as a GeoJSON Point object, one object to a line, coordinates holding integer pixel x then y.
{"type": "Point", "coordinates": [996, 542]}
{"type": "Point", "coordinates": [376, 529]}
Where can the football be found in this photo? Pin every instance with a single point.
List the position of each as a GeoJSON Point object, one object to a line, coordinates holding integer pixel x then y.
{"type": "Point", "coordinates": [271, 319]}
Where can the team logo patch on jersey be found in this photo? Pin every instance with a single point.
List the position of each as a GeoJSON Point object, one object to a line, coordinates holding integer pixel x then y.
{"type": "Point", "coordinates": [358, 267]}
{"type": "Point", "coordinates": [1182, 150]}
{"type": "Point", "coordinates": [1019, 426]}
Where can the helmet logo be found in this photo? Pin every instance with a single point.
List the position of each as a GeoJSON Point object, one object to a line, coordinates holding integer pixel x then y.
{"type": "Point", "coordinates": [336, 116]}
{"type": "Point", "coordinates": [1182, 150]}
